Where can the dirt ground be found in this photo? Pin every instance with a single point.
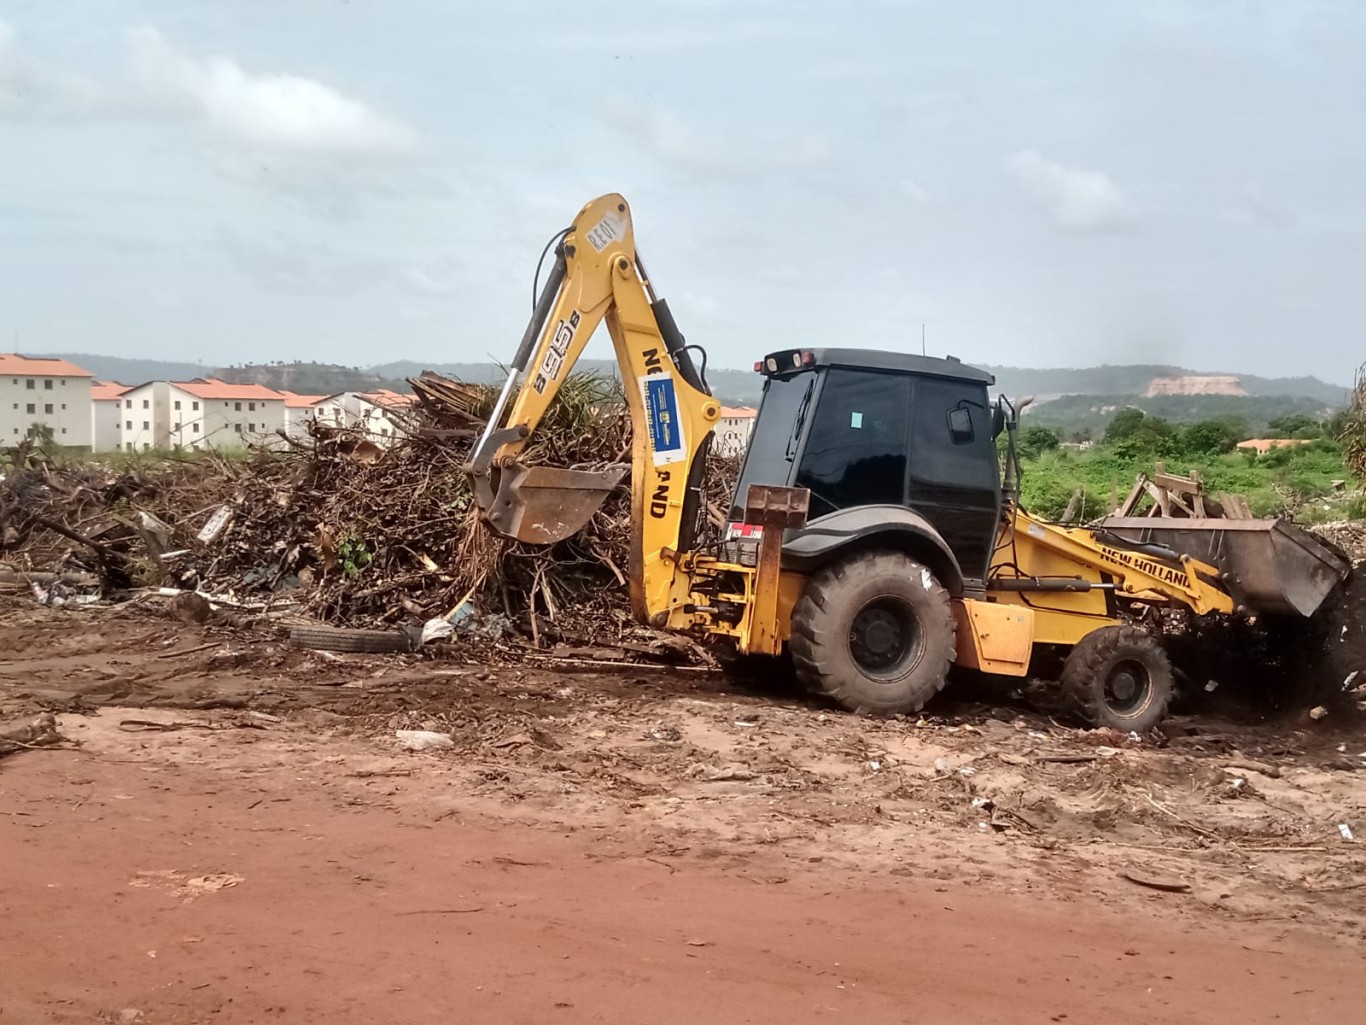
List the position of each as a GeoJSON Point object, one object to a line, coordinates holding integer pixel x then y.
{"type": "Point", "coordinates": [233, 833]}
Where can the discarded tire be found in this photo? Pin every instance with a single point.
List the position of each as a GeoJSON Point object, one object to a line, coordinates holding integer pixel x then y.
{"type": "Point", "coordinates": [329, 638]}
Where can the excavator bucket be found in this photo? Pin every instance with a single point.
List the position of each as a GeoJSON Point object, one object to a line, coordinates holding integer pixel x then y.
{"type": "Point", "coordinates": [545, 504]}
{"type": "Point", "coordinates": [1269, 566]}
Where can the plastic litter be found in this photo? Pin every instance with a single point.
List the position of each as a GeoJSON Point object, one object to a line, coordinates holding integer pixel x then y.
{"type": "Point", "coordinates": [423, 740]}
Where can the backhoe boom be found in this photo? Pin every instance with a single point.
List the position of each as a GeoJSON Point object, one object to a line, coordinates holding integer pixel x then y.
{"type": "Point", "coordinates": [597, 278]}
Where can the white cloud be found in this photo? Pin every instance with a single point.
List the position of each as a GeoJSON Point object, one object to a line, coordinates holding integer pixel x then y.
{"type": "Point", "coordinates": [28, 86]}
{"type": "Point", "coordinates": [268, 114]}
{"type": "Point", "coordinates": [1078, 199]}
{"type": "Point", "coordinates": [675, 141]}
{"type": "Point", "coordinates": [913, 190]}
{"type": "Point", "coordinates": [304, 266]}
{"type": "Point", "coordinates": [1256, 207]}
{"type": "Point", "coordinates": [439, 278]}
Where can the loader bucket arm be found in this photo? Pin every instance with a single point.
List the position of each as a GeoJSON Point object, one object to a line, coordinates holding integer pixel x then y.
{"type": "Point", "coordinates": [598, 277]}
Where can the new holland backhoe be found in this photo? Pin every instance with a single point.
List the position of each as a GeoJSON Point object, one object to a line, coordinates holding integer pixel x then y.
{"type": "Point", "coordinates": [875, 536]}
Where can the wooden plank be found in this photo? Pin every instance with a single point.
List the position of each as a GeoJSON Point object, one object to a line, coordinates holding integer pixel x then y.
{"type": "Point", "coordinates": [1130, 503]}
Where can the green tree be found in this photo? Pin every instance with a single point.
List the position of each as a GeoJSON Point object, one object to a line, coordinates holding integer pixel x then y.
{"type": "Point", "coordinates": [1352, 434]}
{"type": "Point", "coordinates": [1034, 441]}
{"type": "Point", "coordinates": [1295, 425]}
{"type": "Point", "coordinates": [1209, 437]}
{"type": "Point", "coordinates": [1124, 425]}
{"type": "Point", "coordinates": [1132, 434]}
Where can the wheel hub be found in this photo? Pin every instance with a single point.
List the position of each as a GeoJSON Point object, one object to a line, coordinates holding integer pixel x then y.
{"type": "Point", "coordinates": [1127, 687]}
{"type": "Point", "coordinates": [882, 635]}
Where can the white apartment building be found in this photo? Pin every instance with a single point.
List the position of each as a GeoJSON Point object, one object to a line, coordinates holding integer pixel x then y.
{"type": "Point", "coordinates": [106, 416]}
{"type": "Point", "coordinates": [731, 436]}
{"type": "Point", "coordinates": [37, 390]}
{"type": "Point", "coordinates": [204, 413]}
{"type": "Point", "coordinates": [372, 413]}
{"type": "Point", "coordinates": [298, 411]}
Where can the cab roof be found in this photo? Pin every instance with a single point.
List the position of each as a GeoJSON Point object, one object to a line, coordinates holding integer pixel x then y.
{"type": "Point", "coordinates": [876, 359]}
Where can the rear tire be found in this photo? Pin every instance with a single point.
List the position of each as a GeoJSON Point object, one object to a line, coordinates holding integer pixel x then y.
{"type": "Point", "coordinates": [1118, 676]}
{"type": "Point", "coordinates": [874, 632]}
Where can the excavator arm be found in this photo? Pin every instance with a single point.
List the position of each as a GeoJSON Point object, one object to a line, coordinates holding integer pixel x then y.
{"type": "Point", "coordinates": [598, 277]}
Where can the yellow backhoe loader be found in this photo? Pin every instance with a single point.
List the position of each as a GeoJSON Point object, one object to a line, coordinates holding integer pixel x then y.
{"type": "Point", "coordinates": [874, 537]}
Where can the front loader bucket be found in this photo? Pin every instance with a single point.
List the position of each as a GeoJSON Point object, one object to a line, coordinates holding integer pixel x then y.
{"type": "Point", "coordinates": [1269, 566]}
{"type": "Point", "coordinates": [545, 504]}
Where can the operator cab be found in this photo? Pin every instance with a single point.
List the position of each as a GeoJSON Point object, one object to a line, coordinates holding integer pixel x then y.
{"type": "Point", "coordinates": [860, 428]}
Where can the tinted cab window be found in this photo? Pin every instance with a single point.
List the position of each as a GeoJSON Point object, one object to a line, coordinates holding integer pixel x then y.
{"type": "Point", "coordinates": [855, 452]}
{"type": "Point", "coordinates": [954, 476]}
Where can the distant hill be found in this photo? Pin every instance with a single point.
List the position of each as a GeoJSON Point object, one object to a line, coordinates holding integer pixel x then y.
{"type": "Point", "coordinates": [733, 386]}
{"type": "Point", "coordinates": [1135, 379]}
{"type": "Point", "coordinates": [1073, 413]}
{"type": "Point", "coordinates": [309, 378]}
{"type": "Point", "coordinates": [134, 371]}
{"type": "Point", "coordinates": [1113, 383]}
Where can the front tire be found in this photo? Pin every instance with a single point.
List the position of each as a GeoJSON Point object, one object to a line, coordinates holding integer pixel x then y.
{"type": "Point", "coordinates": [1118, 676]}
{"type": "Point", "coordinates": [874, 632]}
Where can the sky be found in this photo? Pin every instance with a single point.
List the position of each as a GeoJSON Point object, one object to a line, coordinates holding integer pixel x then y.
{"type": "Point", "coordinates": [356, 181]}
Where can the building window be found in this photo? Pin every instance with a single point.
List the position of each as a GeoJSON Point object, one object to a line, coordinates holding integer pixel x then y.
{"type": "Point", "coordinates": [63, 382]}
{"type": "Point", "coordinates": [196, 427]}
{"type": "Point", "coordinates": [63, 430]}
{"type": "Point", "coordinates": [47, 408]}
{"type": "Point", "coordinates": [128, 426]}
{"type": "Point", "coordinates": [146, 426]}
{"type": "Point", "coordinates": [251, 406]}
{"type": "Point", "coordinates": [237, 427]}
{"type": "Point", "coordinates": [194, 406]}
{"type": "Point", "coordinates": [29, 384]}
{"type": "Point", "coordinates": [146, 445]}
{"type": "Point", "coordinates": [177, 427]}
{"type": "Point", "coordinates": [47, 385]}
{"type": "Point", "coordinates": [30, 408]}
{"type": "Point", "coordinates": [177, 403]}
{"type": "Point", "coordinates": [63, 407]}
{"type": "Point", "coordinates": [127, 403]}
{"type": "Point", "coordinates": [146, 404]}
{"type": "Point", "coordinates": [237, 407]}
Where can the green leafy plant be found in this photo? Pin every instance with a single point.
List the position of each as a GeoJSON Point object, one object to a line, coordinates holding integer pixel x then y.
{"type": "Point", "coordinates": [353, 555]}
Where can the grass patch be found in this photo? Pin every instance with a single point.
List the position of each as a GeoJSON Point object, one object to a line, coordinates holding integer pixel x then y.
{"type": "Point", "coordinates": [1284, 482]}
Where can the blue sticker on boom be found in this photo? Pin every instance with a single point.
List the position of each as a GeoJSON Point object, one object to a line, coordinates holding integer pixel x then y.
{"type": "Point", "coordinates": [661, 410]}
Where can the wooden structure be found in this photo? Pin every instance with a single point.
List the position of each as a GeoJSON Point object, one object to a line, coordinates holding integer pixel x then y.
{"type": "Point", "coordinates": [1178, 497]}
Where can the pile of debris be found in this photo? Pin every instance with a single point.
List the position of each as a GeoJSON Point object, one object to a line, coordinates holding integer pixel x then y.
{"type": "Point", "coordinates": [337, 528]}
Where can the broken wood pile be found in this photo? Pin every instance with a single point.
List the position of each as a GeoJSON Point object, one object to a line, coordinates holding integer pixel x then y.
{"type": "Point", "coordinates": [348, 533]}
{"type": "Point", "coordinates": [1181, 497]}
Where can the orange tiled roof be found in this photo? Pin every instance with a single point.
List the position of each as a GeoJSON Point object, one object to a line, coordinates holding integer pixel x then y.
{"type": "Point", "coordinates": [293, 400]}
{"type": "Point", "coordinates": [105, 390]}
{"type": "Point", "coordinates": [738, 412]}
{"type": "Point", "coordinates": [39, 366]}
{"type": "Point", "coordinates": [1264, 445]}
{"type": "Point", "coordinates": [387, 397]}
{"type": "Point", "coordinates": [213, 388]}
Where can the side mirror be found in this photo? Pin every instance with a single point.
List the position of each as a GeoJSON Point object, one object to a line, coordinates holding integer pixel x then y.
{"type": "Point", "coordinates": [998, 421]}
{"type": "Point", "coordinates": [960, 425]}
